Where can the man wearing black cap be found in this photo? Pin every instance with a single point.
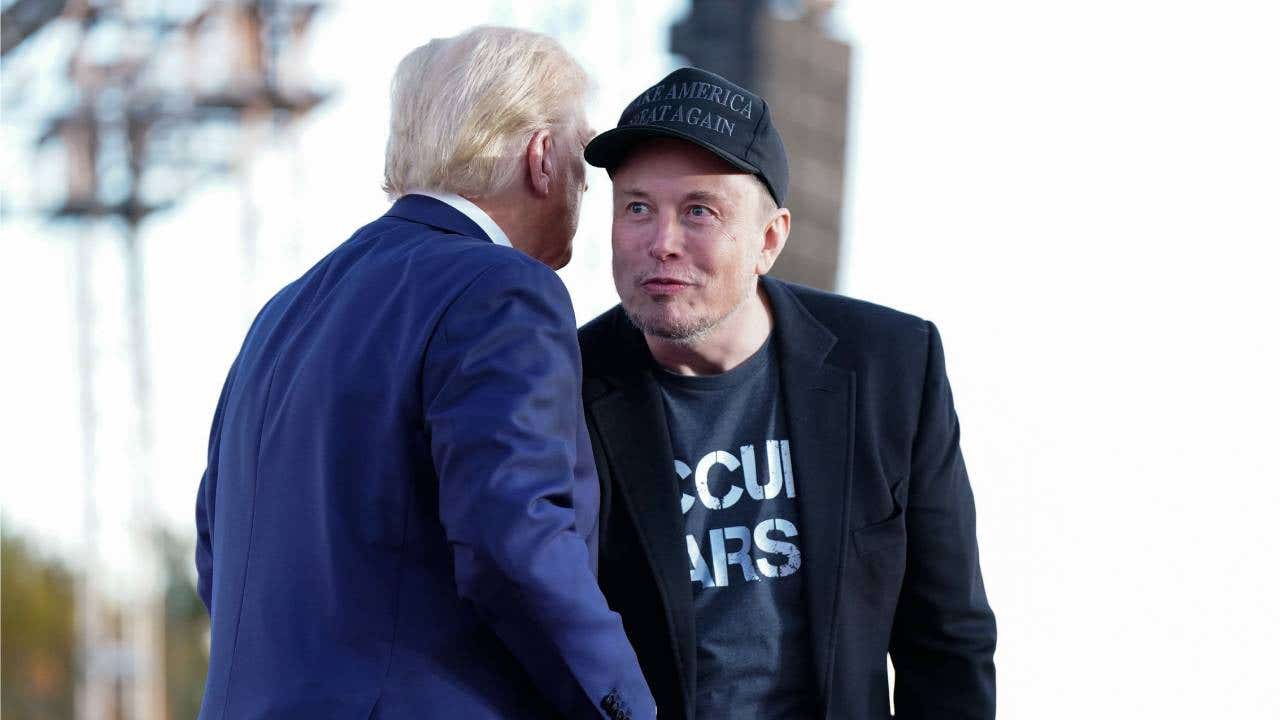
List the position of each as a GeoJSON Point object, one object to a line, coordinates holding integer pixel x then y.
{"type": "Point", "coordinates": [784, 499]}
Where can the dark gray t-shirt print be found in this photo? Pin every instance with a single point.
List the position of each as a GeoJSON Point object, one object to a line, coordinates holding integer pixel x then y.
{"type": "Point", "coordinates": [745, 548]}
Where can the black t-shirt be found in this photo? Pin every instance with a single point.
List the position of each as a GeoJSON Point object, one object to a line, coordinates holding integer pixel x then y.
{"type": "Point", "coordinates": [733, 461]}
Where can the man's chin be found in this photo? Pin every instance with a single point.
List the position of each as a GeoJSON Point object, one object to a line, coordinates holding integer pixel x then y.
{"type": "Point", "coordinates": [667, 328]}
{"type": "Point", "coordinates": [565, 257]}
{"type": "Point", "coordinates": [558, 261]}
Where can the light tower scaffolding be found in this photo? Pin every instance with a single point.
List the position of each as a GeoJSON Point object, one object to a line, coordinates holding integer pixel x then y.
{"type": "Point", "coordinates": [146, 83]}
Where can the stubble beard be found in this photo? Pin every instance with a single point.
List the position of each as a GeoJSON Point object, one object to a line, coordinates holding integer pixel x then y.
{"type": "Point", "coordinates": [693, 331]}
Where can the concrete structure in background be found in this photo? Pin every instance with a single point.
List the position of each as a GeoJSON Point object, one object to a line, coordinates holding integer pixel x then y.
{"type": "Point", "coordinates": [803, 72]}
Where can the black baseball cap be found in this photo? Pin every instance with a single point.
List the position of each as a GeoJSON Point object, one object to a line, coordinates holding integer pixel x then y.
{"type": "Point", "coordinates": [708, 111]}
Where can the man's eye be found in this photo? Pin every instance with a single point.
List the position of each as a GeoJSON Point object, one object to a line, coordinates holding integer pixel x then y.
{"type": "Point", "coordinates": [700, 211]}
{"type": "Point", "coordinates": [636, 208]}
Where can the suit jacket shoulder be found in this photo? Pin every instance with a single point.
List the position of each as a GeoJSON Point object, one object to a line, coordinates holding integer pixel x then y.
{"type": "Point", "coordinates": [861, 327]}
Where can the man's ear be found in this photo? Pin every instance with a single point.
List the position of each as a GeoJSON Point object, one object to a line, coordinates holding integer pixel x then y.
{"type": "Point", "coordinates": [541, 161]}
{"type": "Point", "coordinates": [775, 238]}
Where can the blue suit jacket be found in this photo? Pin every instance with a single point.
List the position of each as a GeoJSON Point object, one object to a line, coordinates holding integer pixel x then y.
{"type": "Point", "coordinates": [398, 518]}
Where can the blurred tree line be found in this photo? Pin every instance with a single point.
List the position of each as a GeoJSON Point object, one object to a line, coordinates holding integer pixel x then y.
{"type": "Point", "coordinates": [38, 649]}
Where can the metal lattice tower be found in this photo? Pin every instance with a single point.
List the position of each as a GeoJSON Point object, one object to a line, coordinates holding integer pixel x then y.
{"type": "Point", "coordinates": [144, 84]}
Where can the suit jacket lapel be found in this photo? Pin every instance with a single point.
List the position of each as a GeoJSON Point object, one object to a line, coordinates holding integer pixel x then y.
{"type": "Point", "coordinates": [632, 426]}
{"type": "Point", "coordinates": [819, 401]}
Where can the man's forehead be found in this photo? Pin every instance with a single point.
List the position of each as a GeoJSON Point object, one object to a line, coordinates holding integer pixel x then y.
{"type": "Point", "coordinates": [681, 192]}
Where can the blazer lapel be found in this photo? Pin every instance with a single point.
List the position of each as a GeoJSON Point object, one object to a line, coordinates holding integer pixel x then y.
{"type": "Point", "coordinates": [819, 401]}
{"type": "Point", "coordinates": [632, 427]}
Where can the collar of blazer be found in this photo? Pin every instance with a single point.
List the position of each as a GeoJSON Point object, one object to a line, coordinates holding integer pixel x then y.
{"type": "Point", "coordinates": [438, 214]}
{"type": "Point", "coordinates": [623, 401]}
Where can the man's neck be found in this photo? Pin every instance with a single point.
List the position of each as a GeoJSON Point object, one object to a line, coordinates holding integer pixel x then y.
{"type": "Point", "coordinates": [724, 347]}
{"type": "Point", "coordinates": [475, 210]}
{"type": "Point", "coordinates": [500, 209]}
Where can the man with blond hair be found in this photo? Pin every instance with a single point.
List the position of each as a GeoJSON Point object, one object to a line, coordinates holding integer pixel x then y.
{"type": "Point", "coordinates": [398, 516]}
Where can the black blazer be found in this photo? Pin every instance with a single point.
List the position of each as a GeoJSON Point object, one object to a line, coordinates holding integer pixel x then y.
{"type": "Point", "coordinates": [891, 558]}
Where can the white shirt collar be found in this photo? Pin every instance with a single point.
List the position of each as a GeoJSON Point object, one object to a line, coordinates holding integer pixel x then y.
{"type": "Point", "coordinates": [471, 210]}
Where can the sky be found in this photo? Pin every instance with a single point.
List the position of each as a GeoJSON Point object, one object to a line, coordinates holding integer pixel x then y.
{"type": "Point", "coordinates": [1085, 197]}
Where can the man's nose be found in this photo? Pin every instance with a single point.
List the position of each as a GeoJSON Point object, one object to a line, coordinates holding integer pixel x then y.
{"type": "Point", "coordinates": [665, 243]}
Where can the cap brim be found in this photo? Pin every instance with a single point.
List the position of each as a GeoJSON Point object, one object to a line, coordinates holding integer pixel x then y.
{"type": "Point", "coordinates": [609, 148]}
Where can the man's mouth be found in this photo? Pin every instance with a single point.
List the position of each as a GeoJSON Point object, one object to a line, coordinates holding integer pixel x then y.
{"type": "Point", "coordinates": [665, 285]}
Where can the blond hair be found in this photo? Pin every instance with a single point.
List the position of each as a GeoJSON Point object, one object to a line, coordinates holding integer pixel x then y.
{"type": "Point", "coordinates": [463, 109]}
